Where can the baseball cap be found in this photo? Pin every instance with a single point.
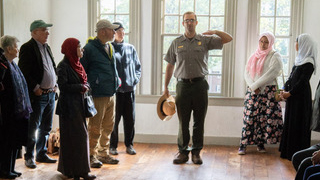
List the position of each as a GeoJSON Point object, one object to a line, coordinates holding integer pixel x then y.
{"type": "Point", "coordinates": [38, 24]}
{"type": "Point", "coordinates": [103, 23]}
{"type": "Point", "coordinates": [120, 25]}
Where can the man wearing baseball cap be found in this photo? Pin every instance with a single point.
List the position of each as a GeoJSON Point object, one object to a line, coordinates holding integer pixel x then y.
{"type": "Point", "coordinates": [100, 65]}
{"type": "Point", "coordinates": [129, 70]}
{"type": "Point", "coordinates": [38, 67]}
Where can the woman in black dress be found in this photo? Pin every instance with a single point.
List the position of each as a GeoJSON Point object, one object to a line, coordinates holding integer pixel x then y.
{"type": "Point", "coordinates": [296, 133]}
{"type": "Point", "coordinates": [74, 143]}
{"type": "Point", "coordinates": [15, 108]}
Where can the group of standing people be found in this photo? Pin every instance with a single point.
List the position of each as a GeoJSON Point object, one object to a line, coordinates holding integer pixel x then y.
{"type": "Point", "coordinates": [28, 99]}
{"type": "Point", "coordinates": [106, 69]}
{"type": "Point", "coordinates": [262, 119]}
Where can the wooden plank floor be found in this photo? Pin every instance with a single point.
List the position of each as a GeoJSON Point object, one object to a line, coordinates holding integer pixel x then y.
{"type": "Point", "coordinates": [154, 162]}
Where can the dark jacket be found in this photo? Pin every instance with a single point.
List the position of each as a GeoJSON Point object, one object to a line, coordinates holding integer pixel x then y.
{"type": "Point", "coordinates": [101, 70]}
{"type": "Point", "coordinates": [71, 99]}
{"type": "Point", "coordinates": [13, 130]}
{"type": "Point", "coordinates": [128, 66]}
{"type": "Point", "coordinates": [31, 64]}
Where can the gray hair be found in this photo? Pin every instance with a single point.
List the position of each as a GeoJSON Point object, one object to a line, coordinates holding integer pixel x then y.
{"type": "Point", "coordinates": [8, 41]}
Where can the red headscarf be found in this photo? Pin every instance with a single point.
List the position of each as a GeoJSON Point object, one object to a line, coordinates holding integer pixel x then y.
{"type": "Point", "coordinates": [69, 49]}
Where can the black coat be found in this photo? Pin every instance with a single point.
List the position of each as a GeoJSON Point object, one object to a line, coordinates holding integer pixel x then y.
{"type": "Point", "coordinates": [74, 142]}
{"type": "Point", "coordinates": [13, 130]}
{"type": "Point", "coordinates": [296, 133]}
{"type": "Point", "coordinates": [31, 64]}
{"type": "Point", "coordinates": [71, 98]}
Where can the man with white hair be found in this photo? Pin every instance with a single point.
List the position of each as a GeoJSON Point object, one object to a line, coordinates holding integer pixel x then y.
{"type": "Point", "coordinates": [100, 65]}
{"type": "Point", "coordinates": [37, 65]}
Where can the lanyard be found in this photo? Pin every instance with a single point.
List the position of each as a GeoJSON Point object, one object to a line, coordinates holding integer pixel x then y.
{"type": "Point", "coordinates": [110, 51]}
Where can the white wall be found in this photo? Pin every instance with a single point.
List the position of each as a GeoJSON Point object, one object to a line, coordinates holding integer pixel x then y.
{"type": "Point", "coordinates": [69, 19]}
{"type": "Point", "coordinates": [312, 26]}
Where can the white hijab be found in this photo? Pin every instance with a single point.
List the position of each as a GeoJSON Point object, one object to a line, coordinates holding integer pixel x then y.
{"type": "Point", "coordinates": [307, 51]}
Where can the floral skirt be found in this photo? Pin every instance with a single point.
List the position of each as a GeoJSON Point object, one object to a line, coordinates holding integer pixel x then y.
{"type": "Point", "coordinates": [262, 118]}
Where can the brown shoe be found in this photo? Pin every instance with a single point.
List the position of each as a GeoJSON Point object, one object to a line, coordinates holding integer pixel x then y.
{"type": "Point", "coordinates": [181, 158]}
{"type": "Point", "coordinates": [108, 159]}
{"type": "Point", "coordinates": [196, 159]}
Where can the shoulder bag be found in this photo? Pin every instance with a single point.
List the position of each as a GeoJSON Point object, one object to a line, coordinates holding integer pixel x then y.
{"type": "Point", "coordinates": [89, 109]}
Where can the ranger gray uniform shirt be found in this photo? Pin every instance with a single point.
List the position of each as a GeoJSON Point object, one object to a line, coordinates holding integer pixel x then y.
{"type": "Point", "coordinates": [191, 57]}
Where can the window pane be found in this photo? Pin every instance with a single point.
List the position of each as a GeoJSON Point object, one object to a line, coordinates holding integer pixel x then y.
{"type": "Point", "coordinates": [215, 65]}
{"type": "Point", "coordinates": [266, 24]}
{"type": "Point", "coordinates": [217, 23]}
{"type": "Point", "coordinates": [217, 7]}
{"type": "Point", "coordinates": [282, 26]}
{"type": "Point", "coordinates": [172, 7]}
{"type": "Point", "coordinates": [122, 6]}
{"type": "Point", "coordinates": [214, 84]}
{"type": "Point", "coordinates": [171, 24]}
{"type": "Point", "coordinates": [187, 5]}
{"type": "Point", "coordinates": [181, 30]}
{"type": "Point", "coordinates": [267, 7]}
{"type": "Point", "coordinates": [283, 7]}
{"type": "Point", "coordinates": [167, 40]}
{"type": "Point", "coordinates": [285, 62]}
{"type": "Point", "coordinates": [126, 38]}
{"type": "Point", "coordinates": [124, 19]}
{"type": "Point", "coordinates": [172, 84]}
{"type": "Point", "coordinates": [203, 23]}
{"type": "Point", "coordinates": [164, 65]}
{"type": "Point", "coordinates": [215, 52]}
{"type": "Point", "coordinates": [202, 7]}
{"type": "Point", "coordinates": [108, 17]}
{"type": "Point", "coordinates": [107, 6]}
{"type": "Point", "coordinates": [282, 46]}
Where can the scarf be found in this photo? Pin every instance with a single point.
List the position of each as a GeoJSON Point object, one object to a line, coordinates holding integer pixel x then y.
{"type": "Point", "coordinates": [22, 105]}
{"type": "Point", "coordinates": [256, 61]}
{"type": "Point", "coordinates": [69, 49]}
{"type": "Point", "coordinates": [307, 51]}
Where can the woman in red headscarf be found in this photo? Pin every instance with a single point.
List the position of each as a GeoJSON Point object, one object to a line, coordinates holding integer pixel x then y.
{"type": "Point", "coordinates": [74, 144]}
{"type": "Point", "coordinates": [262, 119]}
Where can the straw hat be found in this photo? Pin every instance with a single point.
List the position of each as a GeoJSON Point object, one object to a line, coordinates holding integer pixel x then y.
{"type": "Point", "coordinates": [166, 108]}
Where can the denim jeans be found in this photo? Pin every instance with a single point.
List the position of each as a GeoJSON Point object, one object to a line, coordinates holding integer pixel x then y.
{"type": "Point", "coordinates": [301, 160]}
{"type": "Point", "coordinates": [40, 122]}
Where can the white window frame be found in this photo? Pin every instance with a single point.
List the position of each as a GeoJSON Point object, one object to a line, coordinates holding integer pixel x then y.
{"type": "Point", "coordinates": [1, 18]}
{"type": "Point", "coordinates": [296, 24]}
{"type": "Point", "coordinates": [227, 79]}
{"type": "Point", "coordinates": [134, 23]}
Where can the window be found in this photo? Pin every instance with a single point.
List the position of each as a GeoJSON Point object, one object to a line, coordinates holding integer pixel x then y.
{"type": "Point", "coordinates": [1, 18]}
{"type": "Point", "coordinates": [123, 11]}
{"type": "Point", "coordinates": [211, 14]}
{"type": "Point", "coordinates": [277, 16]}
{"type": "Point", "coordinates": [115, 10]}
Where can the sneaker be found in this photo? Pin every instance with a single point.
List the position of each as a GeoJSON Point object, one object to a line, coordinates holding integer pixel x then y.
{"type": "Point", "coordinates": [242, 151]}
{"type": "Point", "coordinates": [108, 160]}
{"type": "Point", "coordinates": [181, 158]}
{"type": "Point", "coordinates": [113, 151]}
{"type": "Point", "coordinates": [261, 148]}
{"type": "Point", "coordinates": [94, 162]}
{"type": "Point", "coordinates": [130, 150]}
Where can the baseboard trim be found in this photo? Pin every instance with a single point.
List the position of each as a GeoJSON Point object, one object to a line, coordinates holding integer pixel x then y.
{"type": "Point", "coordinates": [208, 140]}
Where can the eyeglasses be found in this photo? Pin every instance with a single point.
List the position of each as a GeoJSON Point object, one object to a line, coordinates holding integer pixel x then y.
{"type": "Point", "coordinates": [189, 20]}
